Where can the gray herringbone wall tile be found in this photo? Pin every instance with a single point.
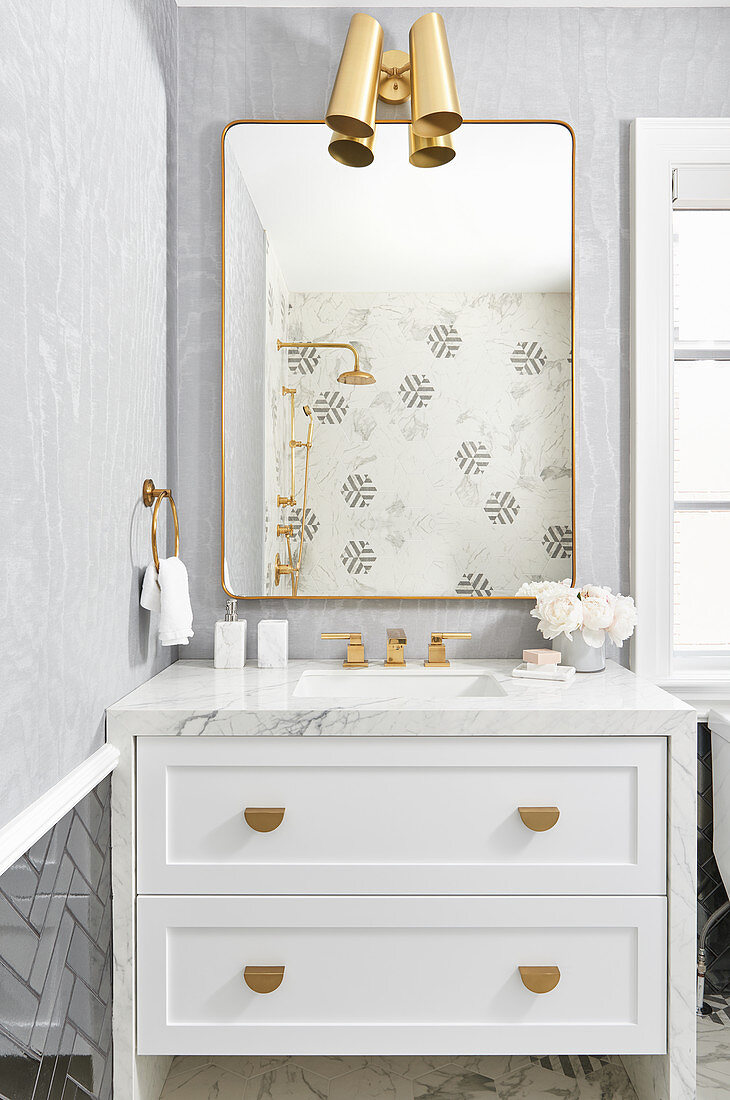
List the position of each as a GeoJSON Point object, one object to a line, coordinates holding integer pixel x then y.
{"type": "Point", "coordinates": [710, 889]}
{"type": "Point", "coordinates": [55, 962]}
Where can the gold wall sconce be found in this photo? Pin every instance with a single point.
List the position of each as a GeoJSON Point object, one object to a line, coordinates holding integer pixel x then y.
{"type": "Point", "coordinates": [425, 75]}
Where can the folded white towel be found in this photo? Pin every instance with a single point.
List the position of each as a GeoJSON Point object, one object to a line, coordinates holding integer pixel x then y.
{"type": "Point", "coordinates": [167, 592]}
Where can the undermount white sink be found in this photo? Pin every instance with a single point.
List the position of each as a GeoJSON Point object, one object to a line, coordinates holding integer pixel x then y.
{"type": "Point", "coordinates": [384, 683]}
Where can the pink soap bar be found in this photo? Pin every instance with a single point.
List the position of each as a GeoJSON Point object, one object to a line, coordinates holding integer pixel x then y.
{"type": "Point", "coordinates": [541, 656]}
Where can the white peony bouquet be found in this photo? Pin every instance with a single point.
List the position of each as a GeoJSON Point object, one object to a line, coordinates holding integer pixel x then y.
{"type": "Point", "coordinates": [592, 610]}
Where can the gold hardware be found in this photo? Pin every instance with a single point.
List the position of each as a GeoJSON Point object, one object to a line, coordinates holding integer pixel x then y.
{"type": "Point", "coordinates": [437, 649]}
{"type": "Point", "coordinates": [394, 84]}
{"type": "Point", "coordinates": [390, 122]}
{"type": "Point", "coordinates": [365, 74]}
{"type": "Point", "coordinates": [539, 979]}
{"type": "Point", "coordinates": [351, 109]}
{"type": "Point", "coordinates": [539, 818]}
{"type": "Point", "coordinates": [264, 820]}
{"type": "Point", "coordinates": [287, 529]}
{"type": "Point", "coordinates": [281, 570]}
{"type": "Point", "coordinates": [355, 377]}
{"type": "Point", "coordinates": [395, 646]}
{"type": "Point", "coordinates": [435, 109]}
{"type": "Point", "coordinates": [355, 649]}
{"type": "Point", "coordinates": [353, 152]}
{"type": "Point", "coordinates": [150, 494]}
{"type": "Point", "coordinates": [289, 501]}
{"type": "Point", "coordinates": [429, 152]}
{"type": "Point", "coordinates": [263, 979]}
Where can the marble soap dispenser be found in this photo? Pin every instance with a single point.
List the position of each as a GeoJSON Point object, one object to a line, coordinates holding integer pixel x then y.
{"type": "Point", "coordinates": [229, 650]}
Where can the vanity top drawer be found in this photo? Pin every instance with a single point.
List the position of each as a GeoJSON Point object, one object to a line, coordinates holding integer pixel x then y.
{"type": "Point", "coordinates": [401, 816]}
{"type": "Point", "coordinates": [401, 975]}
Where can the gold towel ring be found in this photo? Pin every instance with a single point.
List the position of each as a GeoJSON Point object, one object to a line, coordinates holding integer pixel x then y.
{"type": "Point", "coordinates": [150, 494]}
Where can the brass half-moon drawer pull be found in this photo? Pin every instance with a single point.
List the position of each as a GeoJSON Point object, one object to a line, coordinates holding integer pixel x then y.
{"type": "Point", "coordinates": [264, 820]}
{"type": "Point", "coordinates": [539, 979]}
{"type": "Point", "coordinates": [263, 979]}
{"type": "Point", "coordinates": [539, 818]}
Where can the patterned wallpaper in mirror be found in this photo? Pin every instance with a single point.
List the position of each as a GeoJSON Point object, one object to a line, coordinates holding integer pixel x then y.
{"type": "Point", "coordinates": [451, 476]}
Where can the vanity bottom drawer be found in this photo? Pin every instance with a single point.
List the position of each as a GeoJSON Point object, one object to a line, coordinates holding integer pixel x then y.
{"type": "Point", "coordinates": [404, 975]}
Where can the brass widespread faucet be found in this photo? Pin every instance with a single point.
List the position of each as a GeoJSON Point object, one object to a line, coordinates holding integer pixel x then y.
{"type": "Point", "coordinates": [437, 649]}
{"type": "Point", "coordinates": [397, 641]}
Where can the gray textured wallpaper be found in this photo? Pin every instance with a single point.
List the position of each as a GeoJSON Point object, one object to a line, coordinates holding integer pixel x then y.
{"type": "Point", "coordinates": [595, 68]}
{"type": "Point", "coordinates": [87, 98]}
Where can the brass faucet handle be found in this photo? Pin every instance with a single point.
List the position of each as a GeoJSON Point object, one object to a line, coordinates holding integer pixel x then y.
{"type": "Point", "coordinates": [355, 649]}
{"type": "Point", "coordinates": [437, 649]}
{"type": "Point", "coordinates": [395, 646]}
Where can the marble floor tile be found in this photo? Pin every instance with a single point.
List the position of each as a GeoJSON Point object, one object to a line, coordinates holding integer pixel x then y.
{"type": "Point", "coordinates": [248, 1065]}
{"type": "Point", "coordinates": [288, 1082]}
{"type": "Point", "coordinates": [532, 1082]}
{"type": "Point", "coordinates": [570, 1065]}
{"type": "Point", "coordinates": [185, 1065]}
{"type": "Point", "coordinates": [331, 1066]}
{"type": "Point", "coordinates": [370, 1083]}
{"type": "Point", "coordinates": [491, 1077]}
{"type": "Point", "coordinates": [451, 1082]}
{"type": "Point", "coordinates": [208, 1083]}
{"type": "Point", "coordinates": [713, 1063]}
{"type": "Point", "coordinates": [613, 1083]}
{"type": "Point", "coordinates": [412, 1066]}
{"type": "Point", "coordinates": [493, 1065]}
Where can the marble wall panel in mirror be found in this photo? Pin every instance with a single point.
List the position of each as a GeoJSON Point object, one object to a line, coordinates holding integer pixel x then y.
{"type": "Point", "coordinates": [450, 475]}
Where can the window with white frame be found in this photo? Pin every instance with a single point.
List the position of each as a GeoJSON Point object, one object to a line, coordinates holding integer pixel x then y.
{"type": "Point", "coordinates": [701, 435]}
{"type": "Point", "coordinates": [680, 403]}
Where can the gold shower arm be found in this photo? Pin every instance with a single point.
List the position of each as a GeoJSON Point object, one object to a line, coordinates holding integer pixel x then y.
{"type": "Point", "coordinates": [355, 377]}
{"type": "Point", "coordinates": [311, 344]}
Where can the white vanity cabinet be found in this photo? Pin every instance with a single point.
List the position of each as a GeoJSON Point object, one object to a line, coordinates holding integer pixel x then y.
{"type": "Point", "coordinates": [297, 876]}
{"type": "Point", "coordinates": [402, 886]}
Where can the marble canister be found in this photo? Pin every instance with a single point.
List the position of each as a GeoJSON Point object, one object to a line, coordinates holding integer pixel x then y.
{"type": "Point", "coordinates": [273, 643]}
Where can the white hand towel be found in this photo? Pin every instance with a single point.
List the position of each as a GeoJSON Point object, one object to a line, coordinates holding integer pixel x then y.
{"type": "Point", "coordinates": [167, 591]}
{"type": "Point", "coordinates": [150, 598]}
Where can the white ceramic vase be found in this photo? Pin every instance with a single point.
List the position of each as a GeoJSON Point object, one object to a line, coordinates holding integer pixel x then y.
{"type": "Point", "coordinates": [578, 654]}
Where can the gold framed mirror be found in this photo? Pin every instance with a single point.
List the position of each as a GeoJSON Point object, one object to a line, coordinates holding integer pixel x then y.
{"type": "Point", "coordinates": [397, 369]}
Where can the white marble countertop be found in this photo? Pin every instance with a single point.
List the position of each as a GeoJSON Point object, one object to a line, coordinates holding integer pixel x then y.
{"type": "Point", "coordinates": [191, 698]}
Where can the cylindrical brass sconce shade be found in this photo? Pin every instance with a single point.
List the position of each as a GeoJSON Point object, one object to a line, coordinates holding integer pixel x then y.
{"type": "Point", "coordinates": [354, 152]}
{"type": "Point", "coordinates": [435, 109]}
{"type": "Point", "coordinates": [429, 152]}
{"type": "Point", "coordinates": [351, 110]}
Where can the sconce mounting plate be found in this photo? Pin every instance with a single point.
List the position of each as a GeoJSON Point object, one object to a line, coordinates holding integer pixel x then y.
{"type": "Point", "coordinates": [394, 89]}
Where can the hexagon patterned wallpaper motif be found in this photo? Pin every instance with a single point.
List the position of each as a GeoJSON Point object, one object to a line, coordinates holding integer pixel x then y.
{"type": "Point", "coordinates": [451, 476]}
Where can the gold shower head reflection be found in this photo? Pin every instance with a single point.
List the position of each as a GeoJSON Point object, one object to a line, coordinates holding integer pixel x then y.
{"type": "Point", "coordinates": [354, 377]}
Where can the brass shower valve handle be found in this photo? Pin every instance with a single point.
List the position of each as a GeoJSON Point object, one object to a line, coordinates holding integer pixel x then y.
{"type": "Point", "coordinates": [437, 649]}
{"type": "Point", "coordinates": [355, 649]}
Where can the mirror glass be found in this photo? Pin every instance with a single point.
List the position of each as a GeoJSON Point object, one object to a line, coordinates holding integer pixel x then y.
{"type": "Point", "coordinates": [451, 474]}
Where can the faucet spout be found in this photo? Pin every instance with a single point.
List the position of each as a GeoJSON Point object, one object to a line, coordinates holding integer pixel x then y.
{"type": "Point", "coordinates": [395, 647]}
